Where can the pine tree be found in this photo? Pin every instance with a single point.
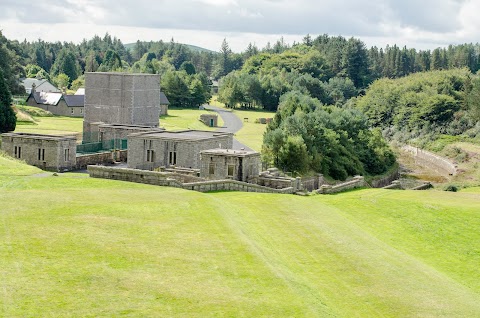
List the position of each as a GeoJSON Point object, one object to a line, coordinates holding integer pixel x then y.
{"type": "Point", "coordinates": [8, 120]}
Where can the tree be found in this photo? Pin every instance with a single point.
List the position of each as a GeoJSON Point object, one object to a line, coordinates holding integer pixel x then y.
{"type": "Point", "coordinates": [61, 81]}
{"type": "Point", "coordinates": [293, 155]}
{"type": "Point", "coordinates": [8, 120]}
{"type": "Point", "coordinates": [66, 63]}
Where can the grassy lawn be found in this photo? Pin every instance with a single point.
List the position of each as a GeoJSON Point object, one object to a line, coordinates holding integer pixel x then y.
{"type": "Point", "coordinates": [251, 133]}
{"type": "Point", "coordinates": [181, 118]}
{"type": "Point", "coordinates": [75, 246]}
{"type": "Point", "coordinates": [56, 125]}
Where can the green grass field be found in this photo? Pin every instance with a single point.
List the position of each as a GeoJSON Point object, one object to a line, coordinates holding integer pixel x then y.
{"type": "Point", "coordinates": [251, 133]}
{"type": "Point", "coordinates": [56, 125]}
{"type": "Point", "coordinates": [74, 246]}
{"type": "Point", "coordinates": [185, 118]}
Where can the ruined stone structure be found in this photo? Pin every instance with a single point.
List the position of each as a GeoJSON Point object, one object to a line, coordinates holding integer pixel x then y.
{"type": "Point", "coordinates": [241, 165]}
{"type": "Point", "coordinates": [149, 150]}
{"type": "Point", "coordinates": [211, 120]}
{"type": "Point", "coordinates": [120, 98]}
{"type": "Point", "coordinates": [55, 153]}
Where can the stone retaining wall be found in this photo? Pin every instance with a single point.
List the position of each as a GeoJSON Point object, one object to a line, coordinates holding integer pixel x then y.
{"type": "Point", "coordinates": [357, 182]}
{"type": "Point", "coordinates": [431, 160]}
{"type": "Point", "coordinates": [177, 180]}
{"type": "Point", "coordinates": [100, 158]}
{"type": "Point", "coordinates": [388, 179]}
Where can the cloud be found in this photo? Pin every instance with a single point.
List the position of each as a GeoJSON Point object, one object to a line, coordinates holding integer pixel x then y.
{"type": "Point", "coordinates": [430, 22]}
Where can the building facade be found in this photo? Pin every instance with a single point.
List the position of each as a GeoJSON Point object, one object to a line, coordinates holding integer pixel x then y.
{"type": "Point", "coordinates": [240, 165]}
{"type": "Point", "coordinates": [150, 150]}
{"type": "Point", "coordinates": [48, 152]}
{"type": "Point", "coordinates": [121, 98]}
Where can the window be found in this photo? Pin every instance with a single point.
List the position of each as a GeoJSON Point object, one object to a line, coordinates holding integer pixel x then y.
{"type": "Point", "coordinates": [172, 158]}
{"type": "Point", "coordinates": [211, 168]}
{"type": "Point", "coordinates": [66, 155]}
{"type": "Point", "coordinates": [18, 152]}
{"type": "Point", "coordinates": [81, 110]}
{"type": "Point", "coordinates": [150, 156]}
{"type": "Point", "coordinates": [231, 169]}
{"type": "Point", "coordinates": [71, 109]}
{"type": "Point", "coordinates": [41, 154]}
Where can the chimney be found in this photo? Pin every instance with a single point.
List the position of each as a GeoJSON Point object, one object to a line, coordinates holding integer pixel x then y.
{"type": "Point", "coordinates": [33, 88]}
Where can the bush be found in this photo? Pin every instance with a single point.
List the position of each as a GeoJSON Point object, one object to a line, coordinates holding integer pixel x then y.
{"type": "Point", "coordinates": [451, 188]}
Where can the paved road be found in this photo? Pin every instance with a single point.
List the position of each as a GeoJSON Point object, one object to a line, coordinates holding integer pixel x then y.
{"type": "Point", "coordinates": [231, 124]}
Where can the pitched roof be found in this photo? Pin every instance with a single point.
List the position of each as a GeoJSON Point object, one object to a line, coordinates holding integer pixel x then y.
{"type": "Point", "coordinates": [54, 98]}
{"type": "Point", "coordinates": [28, 82]}
{"type": "Point", "coordinates": [74, 100]}
{"type": "Point", "coordinates": [46, 98]}
{"type": "Point", "coordinates": [163, 99]}
{"type": "Point", "coordinates": [80, 91]}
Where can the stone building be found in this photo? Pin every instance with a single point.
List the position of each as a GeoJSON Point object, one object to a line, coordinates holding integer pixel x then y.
{"type": "Point", "coordinates": [164, 103]}
{"type": "Point", "coordinates": [120, 98]}
{"type": "Point", "coordinates": [218, 164]}
{"type": "Point", "coordinates": [211, 120]}
{"type": "Point", "coordinates": [48, 152]}
{"type": "Point", "coordinates": [149, 150]}
{"type": "Point", "coordinates": [57, 103]}
{"type": "Point", "coordinates": [114, 136]}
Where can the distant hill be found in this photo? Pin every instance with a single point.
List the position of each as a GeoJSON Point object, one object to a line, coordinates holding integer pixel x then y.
{"type": "Point", "coordinates": [194, 48]}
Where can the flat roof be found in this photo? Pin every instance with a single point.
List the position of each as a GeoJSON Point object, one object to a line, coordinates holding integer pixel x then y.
{"type": "Point", "coordinates": [131, 127]}
{"type": "Point", "coordinates": [229, 152]}
{"type": "Point", "coordinates": [181, 135]}
{"type": "Point", "coordinates": [38, 136]}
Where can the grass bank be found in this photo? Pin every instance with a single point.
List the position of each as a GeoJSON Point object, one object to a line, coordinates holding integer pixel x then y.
{"type": "Point", "coordinates": [76, 246]}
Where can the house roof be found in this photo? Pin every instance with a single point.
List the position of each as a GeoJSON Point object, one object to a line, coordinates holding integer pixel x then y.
{"type": "Point", "coordinates": [46, 98]}
{"type": "Point", "coordinates": [74, 100]}
{"type": "Point", "coordinates": [54, 98]}
{"type": "Point", "coordinates": [163, 99]}
{"type": "Point", "coordinates": [80, 91]}
{"type": "Point", "coordinates": [28, 82]}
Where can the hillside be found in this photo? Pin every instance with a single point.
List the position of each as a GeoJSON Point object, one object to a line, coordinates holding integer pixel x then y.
{"type": "Point", "coordinates": [193, 48]}
{"type": "Point", "coordinates": [75, 246]}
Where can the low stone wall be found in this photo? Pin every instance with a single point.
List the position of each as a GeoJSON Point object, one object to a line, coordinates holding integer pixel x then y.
{"type": "Point", "coordinates": [357, 182]}
{"type": "Point", "coordinates": [386, 180]}
{"type": "Point", "coordinates": [233, 185]}
{"type": "Point", "coordinates": [431, 160]}
{"type": "Point", "coordinates": [425, 186]}
{"type": "Point", "coordinates": [177, 180]}
{"type": "Point", "coordinates": [100, 158]}
{"type": "Point", "coordinates": [395, 185]}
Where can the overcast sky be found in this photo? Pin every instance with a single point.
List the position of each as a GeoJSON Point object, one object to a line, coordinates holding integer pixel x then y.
{"type": "Point", "coordinates": [420, 24]}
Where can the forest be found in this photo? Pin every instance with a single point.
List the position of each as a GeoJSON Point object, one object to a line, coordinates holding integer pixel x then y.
{"type": "Point", "coordinates": [337, 102]}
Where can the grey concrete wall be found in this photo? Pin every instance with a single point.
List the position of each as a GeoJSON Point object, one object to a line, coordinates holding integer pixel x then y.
{"type": "Point", "coordinates": [54, 159]}
{"type": "Point", "coordinates": [120, 98]}
{"type": "Point", "coordinates": [166, 179]}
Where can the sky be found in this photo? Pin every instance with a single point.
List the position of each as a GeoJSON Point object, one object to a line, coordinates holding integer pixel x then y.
{"type": "Point", "coordinates": [417, 24]}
